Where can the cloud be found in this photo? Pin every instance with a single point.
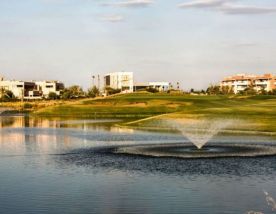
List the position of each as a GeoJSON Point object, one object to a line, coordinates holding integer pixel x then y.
{"type": "Point", "coordinates": [112, 18]}
{"type": "Point", "coordinates": [244, 9]}
{"type": "Point", "coordinates": [131, 3]}
{"type": "Point", "coordinates": [227, 7]}
{"type": "Point", "coordinates": [203, 3]}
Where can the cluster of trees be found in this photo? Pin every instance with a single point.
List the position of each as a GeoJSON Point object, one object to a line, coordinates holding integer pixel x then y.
{"type": "Point", "coordinates": [218, 90]}
{"type": "Point", "coordinates": [251, 91]}
{"type": "Point", "coordinates": [75, 92]}
{"type": "Point", "coordinates": [226, 90]}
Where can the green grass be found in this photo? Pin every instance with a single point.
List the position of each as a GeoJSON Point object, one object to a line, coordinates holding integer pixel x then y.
{"type": "Point", "coordinates": [255, 109]}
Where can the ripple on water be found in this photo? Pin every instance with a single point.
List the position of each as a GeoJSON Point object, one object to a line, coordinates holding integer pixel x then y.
{"type": "Point", "coordinates": [110, 159]}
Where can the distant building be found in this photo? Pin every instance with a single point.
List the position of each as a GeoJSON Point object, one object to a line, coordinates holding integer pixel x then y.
{"type": "Point", "coordinates": [119, 80]}
{"type": "Point", "coordinates": [240, 82]}
{"type": "Point", "coordinates": [140, 86]}
{"type": "Point", "coordinates": [20, 89]}
{"type": "Point", "coordinates": [160, 86]}
{"type": "Point", "coordinates": [266, 82]}
{"type": "Point", "coordinates": [47, 87]}
{"type": "Point", "coordinates": [31, 90]}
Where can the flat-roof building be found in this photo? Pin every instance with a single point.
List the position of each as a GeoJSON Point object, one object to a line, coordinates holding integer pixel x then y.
{"type": "Point", "coordinates": [160, 86]}
{"type": "Point", "coordinates": [20, 89]}
{"type": "Point", "coordinates": [240, 82]}
{"type": "Point", "coordinates": [47, 87]}
{"type": "Point", "coordinates": [31, 89]}
{"type": "Point", "coordinates": [119, 80]}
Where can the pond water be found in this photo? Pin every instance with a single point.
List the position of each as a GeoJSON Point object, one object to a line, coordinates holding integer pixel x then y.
{"type": "Point", "coordinates": [63, 166]}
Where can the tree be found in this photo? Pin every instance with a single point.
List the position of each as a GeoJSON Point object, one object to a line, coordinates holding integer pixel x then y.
{"type": "Point", "coordinates": [93, 92]}
{"type": "Point", "coordinates": [249, 91]}
{"type": "Point", "coordinates": [213, 90]}
{"type": "Point", "coordinates": [72, 92]}
{"type": "Point", "coordinates": [273, 92]}
{"type": "Point", "coordinates": [263, 92]}
{"type": "Point", "coordinates": [53, 96]}
{"type": "Point", "coordinates": [226, 90]}
{"type": "Point", "coordinates": [6, 95]}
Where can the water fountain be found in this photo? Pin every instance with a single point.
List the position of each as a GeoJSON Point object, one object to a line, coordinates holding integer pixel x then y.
{"type": "Point", "coordinates": [199, 133]}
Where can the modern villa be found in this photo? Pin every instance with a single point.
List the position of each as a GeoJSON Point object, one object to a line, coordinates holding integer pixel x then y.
{"type": "Point", "coordinates": [46, 87]}
{"type": "Point", "coordinates": [119, 80]}
{"type": "Point", "coordinates": [31, 89]}
{"type": "Point", "coordinates": [240, 82]}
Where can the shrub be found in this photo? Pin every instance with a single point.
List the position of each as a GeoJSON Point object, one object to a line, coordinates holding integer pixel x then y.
{"type": "Point", "coordinates": [53, 96]}
{"type": "Point", "coordinates": [111, 91]}
{"type": "Point", "coordinates": [152, 90]}
{"type": "Point", "coordinates": [27, 106]}
{"type": "Point", "coordinates": [93, 92]}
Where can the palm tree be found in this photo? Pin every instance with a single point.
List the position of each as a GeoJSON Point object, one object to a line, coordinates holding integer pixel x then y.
{"type": "Point", "coordinates": [93, 79]}
{"type": "Point", "coordinates": [6, 94]}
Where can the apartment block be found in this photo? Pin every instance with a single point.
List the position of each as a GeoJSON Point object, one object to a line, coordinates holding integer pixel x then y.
{"type": "Point", "coordinates": [240, 82]}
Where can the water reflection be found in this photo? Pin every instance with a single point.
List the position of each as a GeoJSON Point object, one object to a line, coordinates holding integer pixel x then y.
{"type": "Point", "coordinates": [38, 122]}
{"type": "Point", "coordinates": [23, 135]}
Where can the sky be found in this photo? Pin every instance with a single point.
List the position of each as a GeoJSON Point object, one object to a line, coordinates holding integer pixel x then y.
{"type": "Point", "coordinates": [194, 42]}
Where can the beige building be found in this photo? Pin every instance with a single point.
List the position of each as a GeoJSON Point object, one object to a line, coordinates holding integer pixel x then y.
{"type": "Point", "coordinates": [240, 82]}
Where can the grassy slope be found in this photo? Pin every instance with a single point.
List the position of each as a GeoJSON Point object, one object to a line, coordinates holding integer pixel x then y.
{"type": "Point", "coordinates": [260, 110]}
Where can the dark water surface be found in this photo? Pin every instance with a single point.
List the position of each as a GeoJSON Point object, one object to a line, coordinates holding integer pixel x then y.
{"type": "Point", "coordinates": [64, 166]}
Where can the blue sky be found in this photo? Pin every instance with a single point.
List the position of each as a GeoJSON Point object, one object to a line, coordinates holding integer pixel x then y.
{"type": "Point", "coordinates": [195, 42]}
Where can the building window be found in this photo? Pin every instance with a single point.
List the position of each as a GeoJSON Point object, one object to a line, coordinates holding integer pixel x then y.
{"type": "Point", "coordinates": [107, 80]}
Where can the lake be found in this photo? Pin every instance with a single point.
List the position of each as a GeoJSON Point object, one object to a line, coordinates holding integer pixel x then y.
{"type": "Point", "coordinates": [62, 166]}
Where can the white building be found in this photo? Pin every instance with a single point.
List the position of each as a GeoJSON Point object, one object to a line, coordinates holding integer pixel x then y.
{"type": "Point", "coordinates": [20, 89]}
{"type": "Point", "coordinates": [47, 87]}
{"type": "Point", "coordinates": [160, 86]}
{"type": "Point", "coordinates": [119, 80]}
{"type": "Point", "coordinates": [31, 90]}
